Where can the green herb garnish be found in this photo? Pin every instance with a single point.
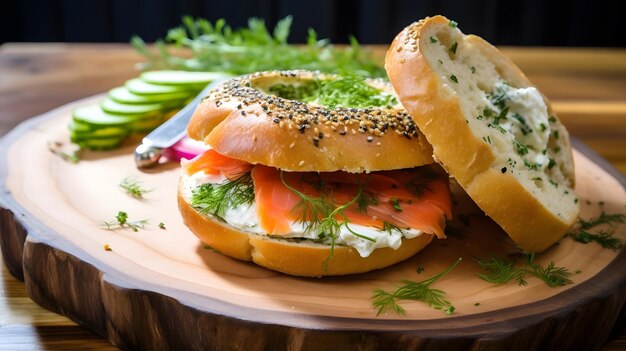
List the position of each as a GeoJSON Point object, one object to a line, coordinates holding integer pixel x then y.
{"type": "Point", "coordinates": [395, 203]}
{"type": "Point", "coordinates": [214, 199]}
{"type": "Point", "coordinates": [218, 47]}
{"type": "Point", "coordinates": [133, 187]}
{"type": "Point", "coordinates": [454, 79]}
{"type": "Point", "coordinates": [583, 234]}
{"type": "Point", "coordinates": [417, 291]}
{"type": "Point", "coordinates": [501, 271]}
{"type": "Point", "coordinates": [121, 221]}
{"type": "Point", "coordinates": [161, 225]}
{"type": "Point", "coordinates": [453, 47]}
{"type": "Point", "coordinates": [319, 215]}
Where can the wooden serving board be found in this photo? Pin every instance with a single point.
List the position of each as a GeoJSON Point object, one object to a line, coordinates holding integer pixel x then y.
{"type": "Point", "coordinates": [162, 289]}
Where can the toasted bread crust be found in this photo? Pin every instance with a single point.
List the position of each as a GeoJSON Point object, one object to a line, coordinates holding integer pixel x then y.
{"type": "Point", "coordinates": [302, 259]}
{"type": "Point", "coordinates": [534, 217]}
{"type": "Point", "coordinates": [244, 123]}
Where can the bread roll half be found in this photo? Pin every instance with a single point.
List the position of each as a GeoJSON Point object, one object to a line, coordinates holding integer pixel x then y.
{"type": "Point", "coordinates": [490, 128]}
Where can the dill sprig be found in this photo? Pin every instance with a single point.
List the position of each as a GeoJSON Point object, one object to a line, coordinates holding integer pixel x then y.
{"type": "Point", "coordinates": [501, 271]}
{"type": "Point", "coordinates": [390, 227]}
{"type": "Point", "coordinates": [604, 238]}
{"type": "Point", "coordinates": [121, 221]}
{"type": "Point", "coordinates": [133, 187]}
{"type": "Point", "coordinates": [214, 199]}
{"type": "Point", "coordinates": [583, 234]}
{"type": "Point", "coordinates": [603, 218]}
{"type": "Point", "coordinates": [418, 291]}
{"type": "Point", "coordinates": [218, 47]}
{"type": "Point", "coordinates": [319, 215]}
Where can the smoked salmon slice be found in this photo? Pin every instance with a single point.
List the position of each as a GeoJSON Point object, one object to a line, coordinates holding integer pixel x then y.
{"type": "Point", "coordinates": [214, 163]}
{"type": "Point", "coordinates": [418, 198]}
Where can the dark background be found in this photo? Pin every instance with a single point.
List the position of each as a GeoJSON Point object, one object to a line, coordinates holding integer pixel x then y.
{"type": "Point", "coordinates": [532, 22]}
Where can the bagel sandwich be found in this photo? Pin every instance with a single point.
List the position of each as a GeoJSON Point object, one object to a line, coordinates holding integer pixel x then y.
{"type": "Point", "coordinates": [311, 174]}
{"type": "Point", "coordinates": [490, 128]}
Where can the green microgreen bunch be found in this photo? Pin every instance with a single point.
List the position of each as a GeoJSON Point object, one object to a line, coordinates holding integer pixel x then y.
{"type": "Point", "coordinates": [218, 47]}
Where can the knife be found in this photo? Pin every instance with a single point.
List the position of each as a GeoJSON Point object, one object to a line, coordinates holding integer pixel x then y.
{"type": "Point", "coordinates": [149, 152]}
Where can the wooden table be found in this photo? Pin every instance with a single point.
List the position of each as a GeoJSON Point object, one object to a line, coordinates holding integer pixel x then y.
{"type": "Point", "coordinates": [586, 86]}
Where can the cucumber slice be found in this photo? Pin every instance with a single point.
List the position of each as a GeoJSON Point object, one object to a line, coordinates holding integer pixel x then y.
{"type": "Point", "coordinates": [115, 108]}
{"type": "Point", "coordinates": [140, 87]}
{"type": "Point", "coordinates": [101, 144]}
{"type": "Point", "coordinates": [182, 77]}
{"type": "Point", "coordinates": [147, 125]}
{"type": "Point", "coordinates": [93, 115]}
{"type": "Point", "coordinates": [124, 96]}
{"type": "Point", "coordinates": [75, 126]}
{"type": "Point", "coordinates": [101, 133]}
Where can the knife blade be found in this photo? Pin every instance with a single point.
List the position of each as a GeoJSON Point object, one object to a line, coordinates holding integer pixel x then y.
{"type": "Point", "coordinates": [149, 152]}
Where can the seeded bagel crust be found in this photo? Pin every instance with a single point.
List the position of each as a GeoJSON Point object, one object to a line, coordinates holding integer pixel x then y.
{"type": "Point", "coordinates": [437, 72]}
{"type": "Point", "coordinates": [304, 258]}
{"type": "Point", "coordinates": [242, 122]}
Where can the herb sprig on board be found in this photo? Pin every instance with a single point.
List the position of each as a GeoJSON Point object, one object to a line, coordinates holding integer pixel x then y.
{"type": "Point", "coordinates": [585, 230]}
{"type": "Point", "coordinates": [418, 291]}
{"type": "Point", "coordinates": [218, 47]}
{"type": "Point", "coordinates": [502, 271]}
{"type": "Point", "coordinates": [121, 221]}
{"type": "Point", "coordinates": [133, 187]}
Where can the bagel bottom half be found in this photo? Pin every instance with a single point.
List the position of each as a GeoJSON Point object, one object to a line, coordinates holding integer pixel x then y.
{"type": "Point", "coordinates": [303, 258]}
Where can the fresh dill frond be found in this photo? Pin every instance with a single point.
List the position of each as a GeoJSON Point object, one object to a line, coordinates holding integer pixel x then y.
{"type": "Point", "coordinates": [604, 238]}
{"type": "Point", "coordinates": [215, 199]}
{"type": "Point", "coordinates": [418, 291]}
{"type": "Point", "coordinates": [501, 271]}
{"type": "Point", "coordinates": [553, 276]}
{"type": "Point", "coordinates": [133, 187]}
{"type": "Point", "coordinates": [319, 215]}
{"type": "Point", "coordinates": [390, 227]}
{"type": "Point", "coordinates": [366, 199]}
{"type": "Point", "coordinates": [121, 221]}
{"type": "Point", "coordinates": [582, 231]}
{"type": "Point", "coordinates": [603, 218]}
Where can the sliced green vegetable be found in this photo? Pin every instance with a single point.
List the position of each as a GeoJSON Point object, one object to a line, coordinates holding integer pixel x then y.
{"type": "Point", "coordinates": [182, 77]}
{"type": "Point", "coordinates": [124, 96]}
{"type": "Point", "coordinates": [95, 116]}
{"type": "Point", "coordinates": [139, 87]}
{"type": "Point", "coordinates": [116, 108]}
{"type": "Point", "coordinates": [101, 133]}
{"type": "Point", "coordinates": [100, 144]}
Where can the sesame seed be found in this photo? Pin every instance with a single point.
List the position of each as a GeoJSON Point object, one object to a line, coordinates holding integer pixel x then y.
{"type": "Point", "coordinates": [292, 145]}
{"type": "Point", "coordinates": [369, 139]}
{"type": "Point", "coordinates": [301, 163]}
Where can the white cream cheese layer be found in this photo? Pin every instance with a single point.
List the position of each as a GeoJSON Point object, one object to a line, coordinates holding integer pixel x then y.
{"type": "Point", "coordinates": [527, 119]}
{"type": "Point", "coordinates": [244, 217]}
